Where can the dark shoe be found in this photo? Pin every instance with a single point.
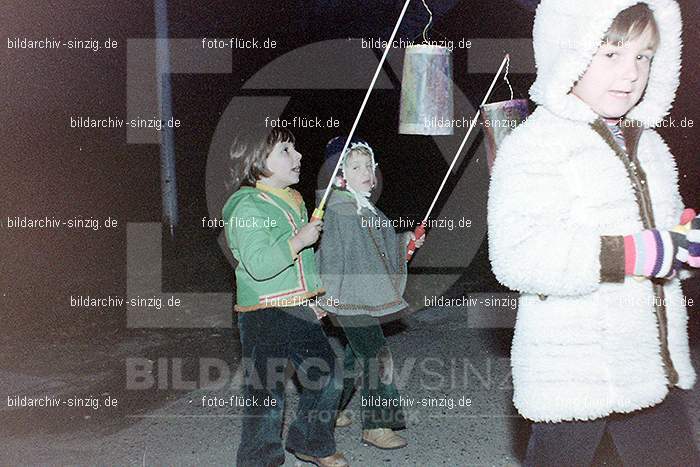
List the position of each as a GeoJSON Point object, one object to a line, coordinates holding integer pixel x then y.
{"type": "Point", "coordinates": [336, 460]}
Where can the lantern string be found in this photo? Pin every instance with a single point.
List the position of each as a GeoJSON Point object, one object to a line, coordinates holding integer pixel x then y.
{"type": "Point", "coordinates": [505, 76]}
{"type": "Point", "coordinates": [430, 21]}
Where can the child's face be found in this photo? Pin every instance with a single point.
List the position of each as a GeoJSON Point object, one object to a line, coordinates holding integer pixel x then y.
{"type": "Point", "coordinates": [284, 163]}
{"type": "Point", "coordinates": [617, 76]}
{"type": "Point", "coordinates": [359, 171]}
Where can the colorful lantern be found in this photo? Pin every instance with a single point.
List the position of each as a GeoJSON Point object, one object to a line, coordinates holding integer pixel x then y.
{"type": "Point", "coordinates": [499, 119]}
{"type": "Point", "coordinates": [426, 91]}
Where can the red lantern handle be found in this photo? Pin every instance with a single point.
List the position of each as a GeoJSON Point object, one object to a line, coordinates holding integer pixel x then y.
{"type": "Point", "coordinates": [418, 233]}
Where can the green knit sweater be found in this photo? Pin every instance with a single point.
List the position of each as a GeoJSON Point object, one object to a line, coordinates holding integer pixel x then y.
{"type": "Point", "coordinates": [258, 228]}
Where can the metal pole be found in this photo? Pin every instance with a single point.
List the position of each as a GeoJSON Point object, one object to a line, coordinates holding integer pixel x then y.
{"type": "Point", "coordinates": [168, 184]}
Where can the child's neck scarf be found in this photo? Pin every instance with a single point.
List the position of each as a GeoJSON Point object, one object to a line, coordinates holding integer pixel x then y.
{"type": "Point", "coordinates": [362, 200]}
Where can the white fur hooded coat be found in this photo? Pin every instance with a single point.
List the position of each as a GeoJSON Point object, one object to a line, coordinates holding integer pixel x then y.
{"type": "Point", "coordinates": [590, 348]}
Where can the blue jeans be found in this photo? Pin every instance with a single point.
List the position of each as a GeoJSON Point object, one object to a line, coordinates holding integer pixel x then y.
{"type": "Point", "coordinates": [269, 339]}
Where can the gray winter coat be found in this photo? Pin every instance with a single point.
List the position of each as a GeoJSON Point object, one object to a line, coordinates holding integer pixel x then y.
{"type": "Point", "coordinates": [361, 259]}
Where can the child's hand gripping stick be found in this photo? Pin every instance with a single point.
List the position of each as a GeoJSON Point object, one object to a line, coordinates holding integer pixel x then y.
{"type": "Point", "coordinates": [317, 215]}
{"type": "Point", "coordinates": [418, 233]}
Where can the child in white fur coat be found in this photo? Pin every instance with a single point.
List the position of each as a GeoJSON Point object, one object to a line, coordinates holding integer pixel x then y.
{"type": "Point", "coordinates": [584, 196]}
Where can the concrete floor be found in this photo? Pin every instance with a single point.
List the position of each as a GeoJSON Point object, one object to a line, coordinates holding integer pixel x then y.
{"type": "Point", "coordinates": [438, 357]}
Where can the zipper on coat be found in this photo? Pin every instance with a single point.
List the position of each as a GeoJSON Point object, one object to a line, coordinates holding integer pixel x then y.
{"type": "Point", "coordinates": [641, 191]}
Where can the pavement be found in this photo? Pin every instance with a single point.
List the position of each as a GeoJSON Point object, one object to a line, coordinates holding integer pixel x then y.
{"type": "Point", "coordinates": [457, 376]}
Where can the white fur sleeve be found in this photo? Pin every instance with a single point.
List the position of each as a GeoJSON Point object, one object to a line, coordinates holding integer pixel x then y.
{"type": "Point", "coordinates": [535, 244]}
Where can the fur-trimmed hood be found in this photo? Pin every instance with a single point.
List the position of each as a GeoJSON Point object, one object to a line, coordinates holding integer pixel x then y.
{"type": "Point", "coordinates": [565, 43]}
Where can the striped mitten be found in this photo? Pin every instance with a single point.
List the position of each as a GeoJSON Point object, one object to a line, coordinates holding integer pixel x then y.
{"type": "Point", "coordinates": [655, 253]}
{"type": "Point", "coordinates": [660, 253]}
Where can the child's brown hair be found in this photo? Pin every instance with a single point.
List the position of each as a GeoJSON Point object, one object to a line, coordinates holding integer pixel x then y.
{"type": "Point", "coordinates": [249, 151]}
{"type": "Point", "coordinates": [630, 23]}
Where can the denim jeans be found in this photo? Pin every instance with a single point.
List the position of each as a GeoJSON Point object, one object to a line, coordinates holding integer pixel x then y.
{"type": "Point", "coordinates": [269, 339]}
{"type": "Point", "coordinates": [367, 345]}
{"type": "Point", "coordinates": [655, 436]}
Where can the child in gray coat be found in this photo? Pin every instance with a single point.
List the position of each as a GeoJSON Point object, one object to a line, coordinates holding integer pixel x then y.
{"type": "Point", "coordinates": [362, 262]}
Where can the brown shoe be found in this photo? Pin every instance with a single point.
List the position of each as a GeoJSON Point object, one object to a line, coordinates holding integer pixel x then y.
{"type": "Point", "coordinates": [343, 420]}
{"type": "Point", "coordinates": [336, 460]}
{"type": "Point", "coordinates": [383, 438]}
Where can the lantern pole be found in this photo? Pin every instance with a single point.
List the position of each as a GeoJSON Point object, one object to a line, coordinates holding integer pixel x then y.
{"type": "Point", "coordinates": [318, 212]}
{"type": "Point", "coordinates": [420, 230]}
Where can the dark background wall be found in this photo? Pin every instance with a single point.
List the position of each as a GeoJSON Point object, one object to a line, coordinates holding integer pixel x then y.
{"type": "Point", "coordinates": [49, 169]}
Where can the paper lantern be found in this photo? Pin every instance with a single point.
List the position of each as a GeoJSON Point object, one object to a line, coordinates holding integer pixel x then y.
{"type": "Point", "coordinates": [499, 119]}
{"type": "Point", "coordinates": [426, 91]}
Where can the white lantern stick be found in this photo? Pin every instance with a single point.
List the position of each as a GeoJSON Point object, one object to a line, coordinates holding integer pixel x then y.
{"type": "Point", "coordinates": [420, 230]}
{"type": "Point", "coordinates": [318, 212]}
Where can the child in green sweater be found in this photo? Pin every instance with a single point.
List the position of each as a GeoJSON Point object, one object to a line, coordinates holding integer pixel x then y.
{"type": "Point", "coordinates": [269, 235]}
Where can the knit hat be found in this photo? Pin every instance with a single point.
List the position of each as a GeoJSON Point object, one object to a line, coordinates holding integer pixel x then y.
{"type": "Point", "coordinates": [333, 149]}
